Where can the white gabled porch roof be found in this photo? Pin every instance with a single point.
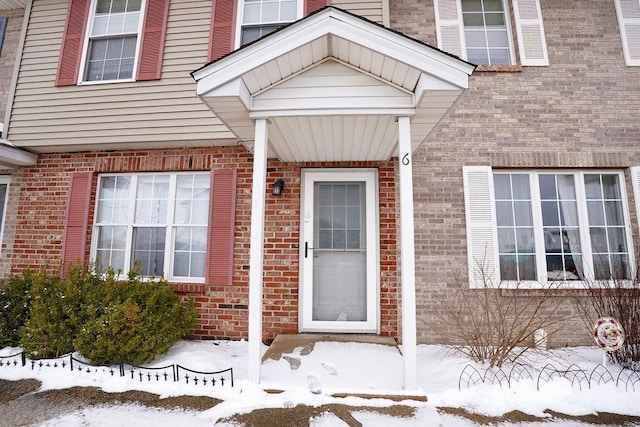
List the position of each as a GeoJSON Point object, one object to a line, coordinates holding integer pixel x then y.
{"type": "Point", "coordinates": [331, 86]}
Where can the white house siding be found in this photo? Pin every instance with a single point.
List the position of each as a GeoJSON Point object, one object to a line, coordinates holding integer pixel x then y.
{"type": "Point", "coordinates": [161, 113]}
{"type": "Point", "coordinates": [330, 84]}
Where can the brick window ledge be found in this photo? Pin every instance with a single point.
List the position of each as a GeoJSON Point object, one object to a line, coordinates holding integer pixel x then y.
{"type": "Point", "coordinates": [188, 288]}
{"type": "Point", "coordinates": [499, 68]}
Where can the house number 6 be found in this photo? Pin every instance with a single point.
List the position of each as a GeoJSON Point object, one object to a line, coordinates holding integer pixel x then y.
{"type": "Point", "coordinates": [405, 159]}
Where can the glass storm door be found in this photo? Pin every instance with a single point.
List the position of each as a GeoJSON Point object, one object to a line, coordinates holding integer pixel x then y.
{"type": "Point", "coordinates": [339, 252]}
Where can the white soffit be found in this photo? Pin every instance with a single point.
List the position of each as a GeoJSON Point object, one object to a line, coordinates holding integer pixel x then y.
{"type": "Point", "coordinates": [12, 4]}
{"type": "Point", "coordinates": [331, 86]}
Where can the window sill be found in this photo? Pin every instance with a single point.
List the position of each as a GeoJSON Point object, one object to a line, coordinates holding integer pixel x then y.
{"type": "Point", "coordinates": [104, 82]}
{"type": "Point", "coordinates": [499, 69]}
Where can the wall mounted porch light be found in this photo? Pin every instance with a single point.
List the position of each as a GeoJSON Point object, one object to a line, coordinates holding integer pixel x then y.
{"type": "Point", "coordinates": [278, 186]}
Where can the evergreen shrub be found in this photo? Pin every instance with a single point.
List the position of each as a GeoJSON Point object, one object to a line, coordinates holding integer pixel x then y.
{"type": "Point", "coordinates": [104, 320]}
{"type": "Point", "coordinates": [15, 299]}
{"type": "Point", "coordinates": [139, 320]}
{"type": "Point", "coordinates": [56, 313]}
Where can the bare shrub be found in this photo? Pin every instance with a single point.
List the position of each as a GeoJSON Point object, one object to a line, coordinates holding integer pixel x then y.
{"type": "Point", "coordinates": [494, 323]}
{"type": "Point", "coordinates": [618, 298]}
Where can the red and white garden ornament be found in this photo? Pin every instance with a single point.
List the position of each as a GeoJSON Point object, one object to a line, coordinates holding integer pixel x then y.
{"type": "Point", "coordinates": [609, 335]}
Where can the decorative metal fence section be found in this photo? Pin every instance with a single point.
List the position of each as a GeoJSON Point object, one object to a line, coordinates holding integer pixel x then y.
{"type": "Point", "coordinates": [471, 376]}
{"type": "Point", "coordinates": [172, 373]}
{"type": "Point", "coordinates": [204, 378]}
{"type": "Point", "coordinates": [13, 360]}
{"type": "Point", "coordinates": [627, 379]}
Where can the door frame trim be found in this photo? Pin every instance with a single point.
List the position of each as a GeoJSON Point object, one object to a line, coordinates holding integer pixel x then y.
{"type": "Point", "coordinates": [370, 177]}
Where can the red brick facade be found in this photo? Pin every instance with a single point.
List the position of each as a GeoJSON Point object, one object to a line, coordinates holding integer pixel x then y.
{"type": "Point", "coordinates": [223, 309]}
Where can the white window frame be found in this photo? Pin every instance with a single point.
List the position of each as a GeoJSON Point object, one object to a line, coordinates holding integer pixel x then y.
{"type": "Point", "coordinates": [87, 38]}
{"type": "Point", "coordinates": [4, 180]}
{"type": "Point", "coordinates": [527, 20]}
{"type": "Point", "coordinates": [169, 226]}
{"type": "Point", "coordinates": [482, 236]}
{"type": "Point", "coordinates": [510, 35]}
{"type": "Point", "coordinates": [240, 19]}
{"type": "Point", "coordinates": [583, 221]}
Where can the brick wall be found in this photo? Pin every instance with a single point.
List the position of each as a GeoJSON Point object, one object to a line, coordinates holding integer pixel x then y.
{"type": "Point", "coordinates": [581, 111]}
{"type": "Point", "coordinates": [223, 309]}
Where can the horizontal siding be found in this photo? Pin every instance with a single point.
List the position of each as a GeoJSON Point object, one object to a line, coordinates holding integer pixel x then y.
{"type": "Point", "coordinates": [368, 9]}
{"type": "Point", "coordinates": [161, 113]}
{"type": "Point", "coordinates": [331, 84]}
{"type": "Point", "coordinates": [12, 4]}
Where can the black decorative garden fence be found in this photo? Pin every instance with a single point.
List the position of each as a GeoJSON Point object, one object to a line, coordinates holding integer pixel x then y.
{"type": "Point", "coordinates": [627, 379]}
{"type": "Point", "coordinates": [173, 372]}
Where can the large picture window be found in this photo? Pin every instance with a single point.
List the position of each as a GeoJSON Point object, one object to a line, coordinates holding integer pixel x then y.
{"type": "Point", "coordinates": [562, 226]}
{"type": "Point", "coordinates": [155, 221]}
{"type": "Point", "coordinates": [114, 29]}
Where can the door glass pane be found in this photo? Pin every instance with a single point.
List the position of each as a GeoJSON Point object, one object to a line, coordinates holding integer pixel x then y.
{"type": "Point", "coordinates": [339, 252]}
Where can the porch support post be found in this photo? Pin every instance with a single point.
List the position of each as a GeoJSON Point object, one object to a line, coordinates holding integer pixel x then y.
{"type": "Point", "coordinates": [256, 249]}
{"type": "Point", "coordinates": [407, 255]}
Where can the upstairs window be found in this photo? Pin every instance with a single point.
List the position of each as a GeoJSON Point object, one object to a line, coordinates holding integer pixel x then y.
{"type": "Point", "coordinates": [486, 32]}
{"type": "Point", "coordinates": [261, 17]}
{"type": "Point", "coordinates": [114, 30]}
{"type": "Point", "coordinates": [479, 31]}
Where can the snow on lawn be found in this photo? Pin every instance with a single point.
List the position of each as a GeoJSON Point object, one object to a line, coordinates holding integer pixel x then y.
{"type": "Point", "coordinates": [342, 367]}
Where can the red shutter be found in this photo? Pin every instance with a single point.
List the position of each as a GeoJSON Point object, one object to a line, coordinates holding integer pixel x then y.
{"type": "Point", "coordinates": [72, 41]}
{"type": "Point", "coordinates": [76, 220]}
{"type": "Point", "coordinates": [222, 220]}
{"type": "Point", "coordinates": [152, 44]}
{"type": "Point", "coordinates": [313, 5]}
{"type": "Point", "coordinates": [223, 25]}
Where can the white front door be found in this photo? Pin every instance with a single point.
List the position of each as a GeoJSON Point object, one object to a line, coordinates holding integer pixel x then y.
{"type": "Point", "coordinates": [339, 251]}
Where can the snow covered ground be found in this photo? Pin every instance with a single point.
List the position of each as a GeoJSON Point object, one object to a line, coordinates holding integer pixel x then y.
{"type": "Point", "coordinates": [354, 368]}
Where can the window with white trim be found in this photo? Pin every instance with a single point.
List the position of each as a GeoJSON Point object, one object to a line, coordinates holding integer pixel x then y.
{"type": "Point", "coordinates": [561, 226]}
{"type": "Point", "coordinates": [486, 32]}
{"type": "Point", "coordinates": [261, 17]}
{"type": "Point", "coordinates": [155, 220]}
{"type": "Point", "coordinates": [112, 41]}
{"type": "Point", "coordinates": [480, 31]}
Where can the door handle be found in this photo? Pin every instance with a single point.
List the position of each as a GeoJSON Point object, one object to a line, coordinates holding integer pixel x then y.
{"type": "Point", "coordinates": [306, 249]}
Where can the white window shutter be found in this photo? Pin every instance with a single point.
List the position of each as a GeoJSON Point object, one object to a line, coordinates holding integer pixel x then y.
{"type": "Point", "coordinates": [449, 27]}
{"type": "Point", "coordinates": [482, 234]}
{"type": "Point", "coordinates": [628, 12]}
{"type": "Point", "coordinates": [532, 44]}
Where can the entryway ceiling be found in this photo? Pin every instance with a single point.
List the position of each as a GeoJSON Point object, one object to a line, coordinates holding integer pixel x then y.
{"type": "Point", "coordinates": [331, 86]}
